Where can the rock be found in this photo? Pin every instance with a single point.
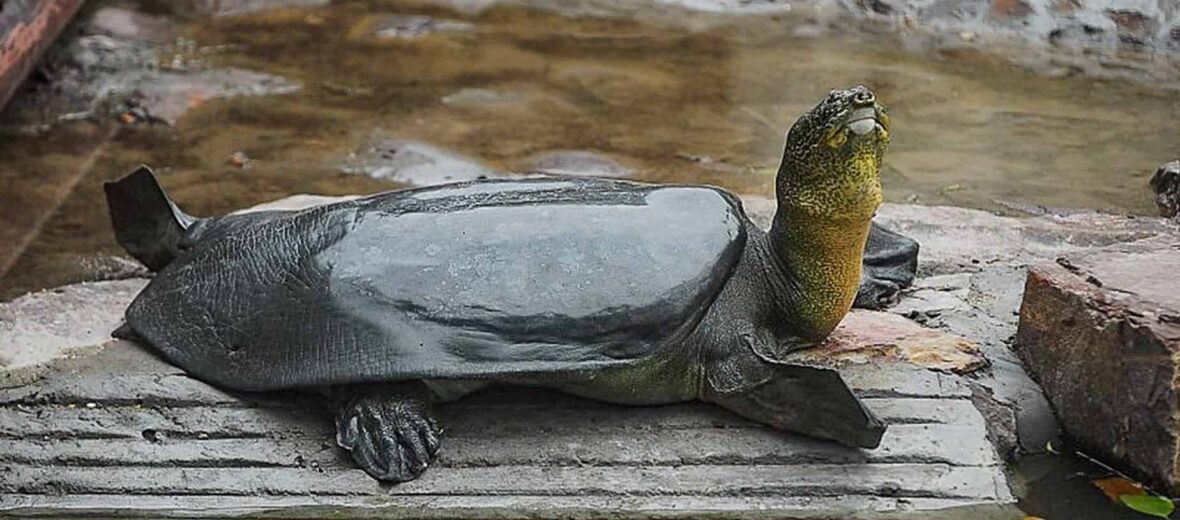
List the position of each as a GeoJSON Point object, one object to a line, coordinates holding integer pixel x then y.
{"type": "Point", "coordinates": [576, 162]}
{"type": "Point", "coordinates": [114, 72]}
{"type": "Point", "coordinates": [125, 23]}
{"type": "Point", "coordinates": [1069, 24]}
{"type": "Point", "coordinates": [960, 239]}
{"type": "Point", "coordinates": [479, 96]}
{"type": "Point", "coordinates": [740, 7]}
{"type": "Point", "coordinates": [1010, 10]}
{"type": "Point", "coordinates": [1134, 26]}
{"type": "Point", "coordinates": [875, 337]}
{"type": "Point", "coordinates": [413, 162]}
{"type": "Point", "coordinates": [984, 306]}
{"type": "Point", "coordinates": [98, 268]}
{"type": "Point", "coordinates": [1166, 185]}
{"type": "Point", "coordinates": [410, 26]}
{"type": "Point", "coordinates": [167, 96]}
{"type": "Point", "coordinates": [38, 327]}
{"type": "Point", "coordinates": [1101, 333]}
{"type": "Point", "coordinates": [237, 7]}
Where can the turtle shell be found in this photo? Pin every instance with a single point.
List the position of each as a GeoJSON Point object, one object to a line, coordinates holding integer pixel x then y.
{"type": "Point", "coordinates": [471, 280]}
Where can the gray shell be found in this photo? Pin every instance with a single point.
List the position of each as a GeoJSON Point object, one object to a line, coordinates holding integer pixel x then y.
{"type": "Point", "coordinates": [472, 280]}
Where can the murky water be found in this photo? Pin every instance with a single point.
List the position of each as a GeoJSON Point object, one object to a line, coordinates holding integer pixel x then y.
{"type": "Point", "coordinates": [672, 103]}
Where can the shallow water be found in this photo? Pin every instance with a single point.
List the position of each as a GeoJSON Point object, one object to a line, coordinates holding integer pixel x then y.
{"type": "Point", "coordinates": [704, 99]}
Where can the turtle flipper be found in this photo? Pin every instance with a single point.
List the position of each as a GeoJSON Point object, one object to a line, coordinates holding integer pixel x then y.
{"type": "Point", "coordinates": [889, 265]}
{"type": "Point", "coordinates": [389, 429]}
{"type": "Point", "coordinates": [813, 401]}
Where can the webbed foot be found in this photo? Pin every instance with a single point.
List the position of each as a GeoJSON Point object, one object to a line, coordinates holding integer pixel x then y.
{"type": "Point", "coordinates": [889, 265]}
{"type": "Point", "coordinates": [390, 431]}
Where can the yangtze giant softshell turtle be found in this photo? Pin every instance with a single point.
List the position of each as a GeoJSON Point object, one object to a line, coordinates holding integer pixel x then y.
{"type": "Point", "coordinates": [620, 291]}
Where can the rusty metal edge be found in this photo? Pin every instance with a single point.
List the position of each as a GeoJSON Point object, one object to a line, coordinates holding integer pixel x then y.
{"type": "Point", "coordinates": [27, 29]}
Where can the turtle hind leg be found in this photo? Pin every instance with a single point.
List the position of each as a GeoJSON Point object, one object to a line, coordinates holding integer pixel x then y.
{"type": "Point", "coordinates": [389, 429]}
{"type": "Point", "coordinates": [889, 265]}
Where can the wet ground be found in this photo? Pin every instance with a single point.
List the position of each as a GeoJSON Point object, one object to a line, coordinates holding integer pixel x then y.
{"type": "Point", "coordinates": [675, 98]}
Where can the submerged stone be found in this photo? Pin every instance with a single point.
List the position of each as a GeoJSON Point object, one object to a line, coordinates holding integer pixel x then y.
{"type": "Point", "coordinates": [576, 162]}
{"type": "Point", "coordinates": [413, 162]}
{"type": "Point", "coordinates": [410, 26]}
{"type": "Point", "coordinates": [168, 96]}
{"type": "Point", "coordinates": [236, 7]}
{"type": "Point", "coordinates": [126, 23]}
{"type": "Point", "coordinates": [479, 96]}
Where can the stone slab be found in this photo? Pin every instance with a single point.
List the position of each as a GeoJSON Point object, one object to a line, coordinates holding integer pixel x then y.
{"type": "Point", "coordinates": [119, 432]}
{"type": "Point", "coordinates": [1101, 333]}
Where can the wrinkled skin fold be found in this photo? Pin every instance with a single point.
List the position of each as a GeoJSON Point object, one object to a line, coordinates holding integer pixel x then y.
{"type": "Point", "coordinates": [624, 292]}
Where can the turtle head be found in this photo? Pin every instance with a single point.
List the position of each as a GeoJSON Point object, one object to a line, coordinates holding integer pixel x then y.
{"type": "Point", "coordinates": [832, 161]}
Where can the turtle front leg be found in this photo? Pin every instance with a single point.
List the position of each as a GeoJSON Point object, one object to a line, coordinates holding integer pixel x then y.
{"type": "Point", "coordinates": [389, 429]}
{"type": "Point", "coordinates": [754, 381]}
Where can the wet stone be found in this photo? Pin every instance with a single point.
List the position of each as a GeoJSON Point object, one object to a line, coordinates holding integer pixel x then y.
{"type": "Point", "coordinates": [1101, 333]}
{"type": "Point", "coordinates": [168, 96]}
{"type": "Point", "coordinates": [410, 26]}
{"type": "Point", "coordinates": [413, 162]}
{"type": "Point", "coordinates": [1166, 186]}
{"type": "Point", "coordinates": [576, 162]}
{"type": "Point", "coordinates": [479, 96]}
{"type": "Point", "coordinates": [237, 7]}
{"type": "Point", "coordinates": [125, 23]}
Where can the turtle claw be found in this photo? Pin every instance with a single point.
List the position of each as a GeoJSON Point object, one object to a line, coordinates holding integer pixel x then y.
{"type": "Point", "coordinates": [392, 437]}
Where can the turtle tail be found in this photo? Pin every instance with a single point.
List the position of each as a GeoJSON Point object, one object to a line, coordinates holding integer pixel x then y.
{"type": "Point", "coordinates": [147, 223]}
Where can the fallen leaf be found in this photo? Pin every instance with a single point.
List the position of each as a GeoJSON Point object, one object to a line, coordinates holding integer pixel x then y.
{"type": "Point", "coordinates": [1117, 487]}
{"type": "Point", "coordinates": [1032, 518]}
{"type": "Point", "coordinates": [1149, 504]}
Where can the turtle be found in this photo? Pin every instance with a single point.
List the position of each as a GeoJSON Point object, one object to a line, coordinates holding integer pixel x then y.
{"type": "Point", "coordinates": [620, 291]}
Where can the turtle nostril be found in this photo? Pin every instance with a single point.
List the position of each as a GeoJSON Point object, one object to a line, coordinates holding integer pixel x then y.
{"type": "Point", "coordinates": [863, 97]}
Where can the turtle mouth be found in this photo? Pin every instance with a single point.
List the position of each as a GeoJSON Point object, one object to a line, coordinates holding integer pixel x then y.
{"type": "Point", "coordinates": [866, 120]}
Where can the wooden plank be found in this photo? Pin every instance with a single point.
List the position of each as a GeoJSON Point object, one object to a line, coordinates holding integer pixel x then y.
{"type": "Point", "coordinates": [130, 422]}
{"type": "Point", "coordinates": [27, 28]}
{"type": "Point", "coordinates": [895, 480]}
{"type": "Point", "coordinates": [848, 507]}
